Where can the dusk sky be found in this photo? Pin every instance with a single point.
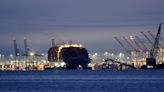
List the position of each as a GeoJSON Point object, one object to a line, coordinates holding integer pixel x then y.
{"type": "Point", "coordinates": [92, 23]}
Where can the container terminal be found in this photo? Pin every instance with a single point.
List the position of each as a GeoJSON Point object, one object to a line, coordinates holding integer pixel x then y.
{"type": "Point", "coordinates": [138, 55]}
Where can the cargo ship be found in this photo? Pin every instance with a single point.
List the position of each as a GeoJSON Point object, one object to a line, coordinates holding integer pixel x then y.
{"type": "Point", "coordinates": [69, 56]}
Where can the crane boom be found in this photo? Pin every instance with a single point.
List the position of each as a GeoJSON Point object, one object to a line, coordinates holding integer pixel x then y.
{"type": "Point", "coordinates": [147, 38]}
{"type": "Point", "coordinates": [154, 38]}
{"type": "Point", "coordinates": [130, 44]}
{"type": "Point", "coordinates": [136, 43]}
{"type": "Point", "coordinates": [151, 34]}
{"type": "Point", "coordinates": [155, 46]}
{"type": "Point", "coordinates": [151, 60]}
{"type": "Point", "coordinates": [145, 48]}
{"type": "Point", "coordinates": [128, 51]}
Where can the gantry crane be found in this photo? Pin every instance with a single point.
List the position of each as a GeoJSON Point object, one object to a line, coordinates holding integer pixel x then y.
{"type": "Point", "coordinates": [26, 51]}
{"type": "Point", "coordinates": [29, 54]}
{"type": "Point", "coordinates": [26, 48]}
{"type": "Point", "coordinates": [16, 50]}
{"type": "Point", "coordinates": [127, 50]}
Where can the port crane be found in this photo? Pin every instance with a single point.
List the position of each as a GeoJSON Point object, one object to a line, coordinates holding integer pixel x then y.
{"type": "Point", "coordinates": [26, 51]}
{"type": "Point", "coordinates": [29, 54]}
{"type": "Point", "coordinates": [137, 52]}
{"type": "Point", "coordinates": [151, 60]}
{"type": "Point", "coordinates": [16, 50]}
{"type": "Point", "coordinates": [127, 50]}
{"type": "Point", "coordinates": [26, 48]}
{"type": "Point", "coordinates": [140, 52]}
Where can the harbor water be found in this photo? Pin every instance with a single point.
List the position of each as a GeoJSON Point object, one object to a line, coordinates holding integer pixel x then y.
{"type": "Point", "coordinates": [82, 81]}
